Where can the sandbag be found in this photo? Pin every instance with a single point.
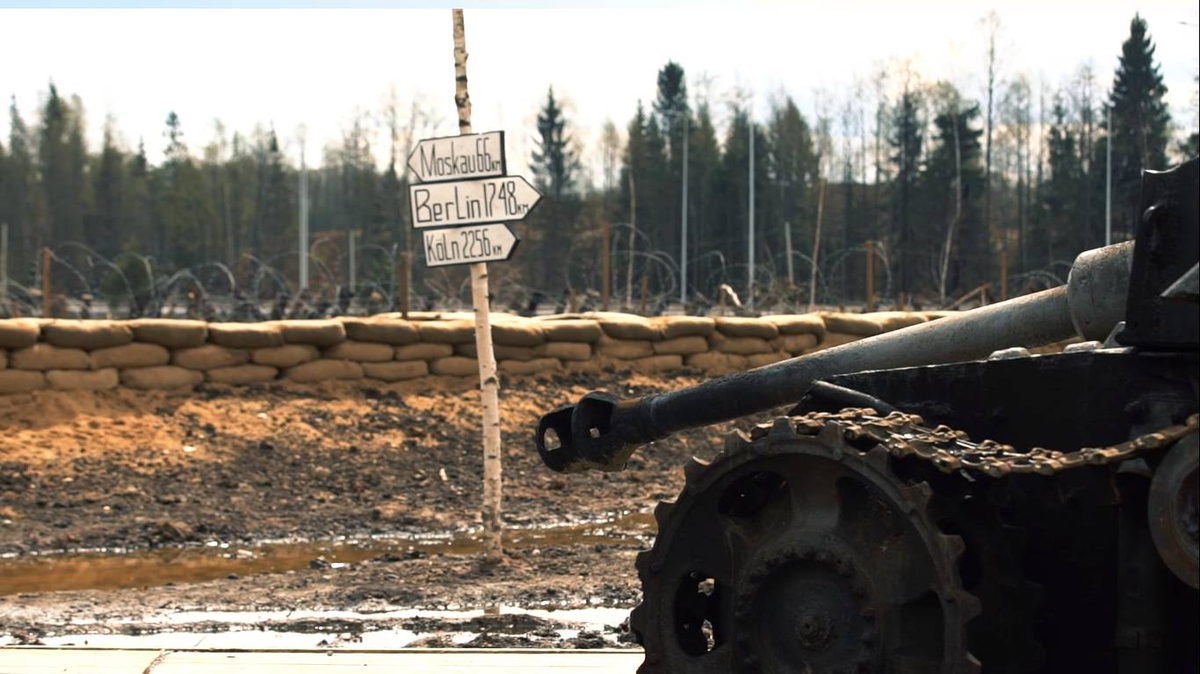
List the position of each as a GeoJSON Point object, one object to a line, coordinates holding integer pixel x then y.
{"type": "Point", "coordinates": [18, 333]}
{"type": "Point", "coordinates": [43, 356]}
{"type": "Point", "coordinates": [396, 370]}
{"type": "Point", "coordinates": [455, 366]}
{"type": "Point", "coordinates": [626, 326]}
{"type": "Point", "coordinates": [795, 344]}
{"type": "Point", "coordinates": [833, 339]}
{"type": "Point", "coordinates": [661, 363]}
{"type": "Point", "coordinates": [137, 354]}
{"type": "Point", "coordinates": [564, 350]}
{"type": "Point", "coordinates": [501, 351]}
{"type": "Point", "coordinates": [852, 324]}
{"type": "Point", "coordinates": [512, 332]}
{"type": "Point", "coordinates": [423, 351]}
{"type": "Point", "coordinates": [21, 381]}
{"type": "Point", "coordinates": [325, 369]}
{"type": "Point", "coordinates": [242, 374]}
{"type": "Point", "coordinates": [245, 335]}
{"type": "Point", "coordinates": [160, 377]}
{"type": "Point", "coordinates": [208, 357]}
{"type": "Point", "coordinates": [571, 330]}
{"type": "Point", "coordinates": [731, 326]}
{"type": "Point", "coordinates": [523, 367]}
{"type": "Point", "coordinates": [684, 326]}
{"type": "Point", "coordinates": [361, 352]}
{"type": "Point", "coordinates": [682, 346]}
{"type": "Point", "coordinates": [169, 332]}
{"type": "Point", "coordinates": [396, 332]}
{"type": "Point", "coordinates": [86, 334]}
{"type": "Point", "coordinates": [742, 346]}
{"type": "Point", "coordinates": [895, 320]}
{"type": "Point", "coordinates": [316, 332]}
{"type": "Point", "coordinates": [447, 332]}
{"type": "Point", "coordinates": [593, 366]}
{"type": "Point", "coordinates": [760, 359]}
{"type": "Point", "coordinates": [83, 380]}
{"type": "Point", "coordinates": [797, 324]}
{"type": "Point", "coordinates": [625, 349]}
{"type": "Point", "coordinates": [288, 355]}
{"type": "Point", "coordinates": [717, 363]}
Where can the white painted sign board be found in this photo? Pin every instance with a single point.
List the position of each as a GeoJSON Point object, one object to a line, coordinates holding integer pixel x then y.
{"type": "Point", "coordinates": [471, 202]}
{"type": "Point", "coordinates": [493, 242]}
{"type": "Point", "coordinates": [478, 155]}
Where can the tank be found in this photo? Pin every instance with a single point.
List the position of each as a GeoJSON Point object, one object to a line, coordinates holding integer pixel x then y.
{"type": "Point", "coordinates": [937, 499]}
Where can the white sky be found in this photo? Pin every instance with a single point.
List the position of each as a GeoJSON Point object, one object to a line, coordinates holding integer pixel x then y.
{"type": "Point", "coordinates": [317, 67]}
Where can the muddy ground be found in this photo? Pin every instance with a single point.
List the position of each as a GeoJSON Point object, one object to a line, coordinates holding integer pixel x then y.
{"type": "Point", "coordinates": [117, 508]}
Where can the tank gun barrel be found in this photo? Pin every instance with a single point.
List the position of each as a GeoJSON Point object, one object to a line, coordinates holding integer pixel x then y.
{"type": "Point", "coordinates": [600, 432]}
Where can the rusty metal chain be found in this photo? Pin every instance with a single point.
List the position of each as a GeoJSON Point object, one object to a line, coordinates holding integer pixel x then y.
{"type": "Point", "coordinates": [904, 435]}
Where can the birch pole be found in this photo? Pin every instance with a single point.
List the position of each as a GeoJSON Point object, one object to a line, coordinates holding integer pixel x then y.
{"type": "Point", "coordinates": [489, 385]}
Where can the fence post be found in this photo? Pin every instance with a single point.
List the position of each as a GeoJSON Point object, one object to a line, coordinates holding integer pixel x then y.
{"type": "Point", "coordinates": [605, 263]}
{"type": "Point", "coordinates": [45, 283]}
{"type": "Point", "coordinates": [403, 274]}
{"type": "Point", "coordinates": [645, 291]}
{"type": "Point", "coordinates": [1003, 275]}
{"type": "Point", "coordinates": [870, 266]}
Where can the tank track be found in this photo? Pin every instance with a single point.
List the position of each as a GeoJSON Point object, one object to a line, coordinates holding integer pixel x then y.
{"type": "Point", "coordinates": [935, 479]}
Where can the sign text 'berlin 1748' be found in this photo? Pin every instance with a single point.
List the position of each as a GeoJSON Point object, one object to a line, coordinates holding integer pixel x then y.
{"type": "Point", "coordinates": [471, 202]}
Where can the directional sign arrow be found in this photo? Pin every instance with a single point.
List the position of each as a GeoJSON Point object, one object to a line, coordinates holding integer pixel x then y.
{"type": "Point", "coordinates": [470, 202]}
{"type": "Point", "coordinates": [467, 245]}
{"type": "Point", "coordinates": [478, 155]}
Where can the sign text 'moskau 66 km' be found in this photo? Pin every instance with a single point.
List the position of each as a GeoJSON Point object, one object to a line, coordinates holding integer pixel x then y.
{"type": "Point", "coordinates": [471, 202]}
{"type": "Point", "coordinates": [478, 155]}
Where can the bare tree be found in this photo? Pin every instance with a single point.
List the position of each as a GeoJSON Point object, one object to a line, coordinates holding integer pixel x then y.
{"type": "Point", "coordinates": [990, 25]}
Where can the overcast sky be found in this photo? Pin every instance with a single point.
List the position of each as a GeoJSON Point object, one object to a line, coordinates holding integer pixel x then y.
{"type": "Point", "coordinates": [317, 67]}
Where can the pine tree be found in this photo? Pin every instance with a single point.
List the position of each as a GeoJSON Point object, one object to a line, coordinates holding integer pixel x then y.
{"type": "Point", "coordinates": [969, 258]}
{"type": "Point", "coordinates": [60, 179]}
{"type": "Point", "coordinates": [555, 169]}
{"type": "Point", "coordinates": [673, 116]}
{"type": "Point", "coordinates": [794, 166]}
{"type": "Point", "coordinates": [104, 233]}
{"type": "Point", "coordinates": [1140, 122]}
{"type": "Point", "coordinates": [704, 165]}
{"type": "Point", "coordinates": [906, 142]}
{"type": "Point", "coordinates": [553, 162]}
{"type": "Point", "coordinates": [19, 189]}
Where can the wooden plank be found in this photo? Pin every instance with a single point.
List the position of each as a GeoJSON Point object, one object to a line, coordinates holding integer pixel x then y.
{"type": "Point", "coordinates": [415, 661]}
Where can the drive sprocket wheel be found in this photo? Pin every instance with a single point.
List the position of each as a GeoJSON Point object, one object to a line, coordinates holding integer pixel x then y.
{"type": "Point", "coordinates": [800, 553]}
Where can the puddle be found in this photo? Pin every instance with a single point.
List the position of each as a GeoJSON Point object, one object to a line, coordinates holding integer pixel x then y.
{"type": "Point", "coordinates": [389, 630]}
{"type": "Point", "coordinates": [108, 571]}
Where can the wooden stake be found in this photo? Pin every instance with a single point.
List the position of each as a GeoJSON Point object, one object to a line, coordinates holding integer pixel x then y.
{"type": "Point", "coordinates": [645, 293]}
{"type": "Point", "coordinates": [870, 266]}
{"type": "Point", "coordinates": [404, 275]}
{"type": "Point", "coordinates": [605, 263]}
{"type": "Point", "coordinates": [632, 241]}
{"type": "Point", "coordinates": [45, 283]}
{"type": "Point", "coordinates": [1003, 275]}
{"type": "Point", "coordinates": [489, 384]}
{"type": "Point", "coordinates": [812, 285]}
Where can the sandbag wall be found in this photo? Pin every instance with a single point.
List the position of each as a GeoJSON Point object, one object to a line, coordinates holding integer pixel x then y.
{"type": "Point", "coordinates": [40, 354]}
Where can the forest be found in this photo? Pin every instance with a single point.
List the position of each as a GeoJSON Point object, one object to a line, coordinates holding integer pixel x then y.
{"type": "Point", "coordinates": [939, 187]}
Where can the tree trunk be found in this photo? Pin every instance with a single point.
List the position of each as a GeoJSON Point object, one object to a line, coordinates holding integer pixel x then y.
{"type": "Point", "coordinates": [489, 384]}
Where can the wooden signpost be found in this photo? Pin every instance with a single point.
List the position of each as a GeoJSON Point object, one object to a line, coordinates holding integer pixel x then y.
{"type": "Point", "coordinates": [461, 204]}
